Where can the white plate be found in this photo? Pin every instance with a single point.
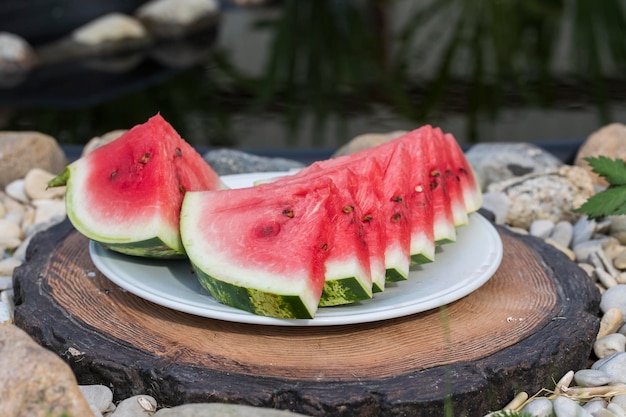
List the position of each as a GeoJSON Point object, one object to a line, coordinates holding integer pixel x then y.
{"type": "Point", "coordinates": [460, 268]}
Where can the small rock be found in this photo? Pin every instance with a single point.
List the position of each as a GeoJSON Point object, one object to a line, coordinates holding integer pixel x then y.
{"type": "Point", "coordinates": [595, 405]}
{"type": "Point", "coordinates": [539, 407]}
{"type": "Point", "coordinates": [551, 196]}
{"type": "Point", "coordinates": [616, 409]}
{"type": "Point", "coordinates": [33, 376]}
{"type": "Point", "coordinates": [620, 261]}
{"type": "Point", "coordinates": [221, 410]}
{"type": "Point", "coordinates": [563, 233]}
{"type": "Point", "coordinates": [99, 397]}
{"type": "Point", "coordinates": [6, 316]}
{"type": "Point", "coordinates": [611, 322]}
{"type": "Point", "coordinates": [619, 400]}
{"type": "Point", "coordinates": [8, 265]}
{"type": "Point", "coordinates": [605, 278]}
{"type": "Point", "coordinates": [609, 345]}
{"type": "Point", "coordinates": [602, 412]}
{"type": "Point", "coordinates": [583, 230]}
{"type": "Point", "coordinates": [6, 282]}
{"type": "Point", "coordinates": [614, 366]}
{"type": "Point", "coordinates": [9, 242]}
{"type": "Point", "coordinates": [614, 297]}
{"type": "Point", "coordinates": [135, 406]}
{"type": "Point", "coordinates": [16, 190]}
{"type": "Point", "coordinates": [495, 162]}
{"type": "Point", "coordinates": [36, 185]}
{"type": "Point", "coordinates": [608, 141]}
{"type": "Point", "coordinates": [22, 151]}
{"type": "Point", "coordinates": [591, 378]}
{"type": "Point", "coordinates": [541, 228]}
{"type": "Point", "coordinates": [589, 269]}
{"type": "Point", "coordinates": [177, 18]}
{"type": "Point", "coordinates": [47, 210]}
{"type": "Point", "coordinates": [564, 407]}
{"type": "Point", "coordinates": [230, 161]}
{"type": "Point", "coordinates": [366, 141]}
{"type": "Point", "coordinates": [16, 55]}
{"type": "Point", "coordinates": [113, 28]}
{"type": "Point", "coordinates": [9, 229]}
{"type": "Point", "coordinates": [584, 250]}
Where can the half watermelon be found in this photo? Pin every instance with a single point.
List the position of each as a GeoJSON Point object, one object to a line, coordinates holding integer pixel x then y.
{"type": "Point", "coordinates": [127, 194]}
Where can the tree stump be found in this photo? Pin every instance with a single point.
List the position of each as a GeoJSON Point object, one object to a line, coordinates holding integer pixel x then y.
{"type": "Point", "coordinates": [533, 321]}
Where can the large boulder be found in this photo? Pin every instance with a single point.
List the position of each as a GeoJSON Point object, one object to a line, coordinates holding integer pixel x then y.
{"type": "Point", "coordinates": [22, 151]}
{"type": "Point", "coordinates": [609, 141]}
{"type": "Point", "coordinates": [34, 382]}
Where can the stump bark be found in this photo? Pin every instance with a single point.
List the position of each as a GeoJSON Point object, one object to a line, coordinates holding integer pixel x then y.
{"type": "Point", "coordinates": [533, 321]}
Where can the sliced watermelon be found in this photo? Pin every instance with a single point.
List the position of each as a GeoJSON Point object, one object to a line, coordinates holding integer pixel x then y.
{"type": "Point", "coordinates": [262, 249]}
{"type": "Point", "coordinates": [127, 194]}
{"type": "Point", "coordinates": [348, 271]}
{"type": "Point", "coordinates": [472, 195]}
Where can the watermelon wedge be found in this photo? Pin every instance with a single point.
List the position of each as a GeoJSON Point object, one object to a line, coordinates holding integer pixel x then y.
{"type": "Point", "coordinates": [127, 194]}
{"type": "Point", "coordinates": [262, 249]}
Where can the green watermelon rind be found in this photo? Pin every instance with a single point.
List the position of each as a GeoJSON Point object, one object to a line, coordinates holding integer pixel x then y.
{"type": "Point", "coordinates": [150, 248]}
{"type": "Point", "coordinates": [341, 287]}
{"type": "Point", "coordinates": [252, 300]}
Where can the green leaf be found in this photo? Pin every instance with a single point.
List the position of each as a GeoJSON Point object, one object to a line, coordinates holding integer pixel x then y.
{"type": "Point", "coordinates": [609, 202]}
{"type": "Point", "coordinates": [613, 170]}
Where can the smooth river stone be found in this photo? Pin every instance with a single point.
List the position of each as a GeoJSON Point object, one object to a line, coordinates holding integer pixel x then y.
{"type": "Point", "coordinates": [614, 297]}
{"type": "Point", "coordinates": [564, 407]}
{"type": "Point", "coordinates": [614, 366]}
{"type": "Point", "coordinates": [591, 378]}
{"type": "Point", "coordinates": [539, 407]}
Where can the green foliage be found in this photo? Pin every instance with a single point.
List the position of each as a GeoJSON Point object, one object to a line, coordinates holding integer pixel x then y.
{"type": "Point", "coordinates": [611, 201]}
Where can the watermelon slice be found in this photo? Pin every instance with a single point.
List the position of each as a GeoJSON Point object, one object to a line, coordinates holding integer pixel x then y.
{"type": "Point", "coordinates": [127, 194]}
{"type": "Point", "coordinates": [262, 249]}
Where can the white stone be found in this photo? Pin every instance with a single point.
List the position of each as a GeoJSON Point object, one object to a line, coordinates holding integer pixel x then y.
{"type": "Point", "coordinates": [567, 251]}
{"type": "Point", "coordinates": [10, 229]}
{"type": "Point", "coordinates": [16, 190]}
{"type": "Point", "coordinates": [583, 230]}
{"type": "Point", "coordinates": [113, 27]}
{"type": "Point", "coordinates": [563, 233]}
{"type": "Point", "coordinates": [614, 297]}
{"type": "Point", "coordinates": [539, 407]}
{"type": "Point", "coordinates": [582, 250]}
{"type": "Point", "coordinates": [564, 407]}
{"type": "Point", "coordinates": [588, 268]}
{"type": "Point", "coordinates": [135, 406]}
{"type": "Point", "coordinates": [541, 228]}
{"type": "Point", "coordinates": [619, 400]}
{"type": "Point", "coordinates": [591, 378]}
{"type": "Point", "coordinates": [98, 396]}
{"type": "Point", "coordinates": [609, 344]}
{"type": "Point", "coordinates": [616, 409]}
{"type": "Point", "coordinates": [46, 210]}
{"type": "Point", "coordinates": [605, 278]}
{"type": "Point", "coordinates": [603, 412]}
{"type": "Point", "coordinates": [36, 185]}
{"type": "Point", "coordinates": [6, 282]}
{"type": "Point", "coordinates": [177, 12]}
{"type": "Point", "coordinates": [611, 322]}
{"type": "Point", "coordinates": [5, 313]}
{"type": "Point", "coordinates": [9, 242]}
{"type": "Point", "coordinates": [594, 405]}
{"type": "Point", "coordinates": [8, 265]}
{"type": "Point", "coordinates": [614, 365]}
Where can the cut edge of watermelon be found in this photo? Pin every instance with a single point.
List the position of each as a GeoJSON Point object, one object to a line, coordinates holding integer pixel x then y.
{"type": "Point", "coordinates": [345, 282]}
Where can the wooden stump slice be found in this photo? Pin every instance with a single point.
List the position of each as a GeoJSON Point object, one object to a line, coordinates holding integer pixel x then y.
{"type": "Point", "coordinates": [534, 320]}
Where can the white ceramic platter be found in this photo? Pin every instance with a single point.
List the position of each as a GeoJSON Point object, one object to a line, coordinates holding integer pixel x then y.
{"type": "Point", "coordinates": [459, 269]}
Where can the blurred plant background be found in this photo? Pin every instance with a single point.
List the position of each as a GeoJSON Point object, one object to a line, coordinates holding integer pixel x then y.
{"type": "Point", "coordinates": [315, 73]}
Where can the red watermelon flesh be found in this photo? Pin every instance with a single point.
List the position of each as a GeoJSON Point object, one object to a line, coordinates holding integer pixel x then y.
{"type": "Point", "coordinates": [369, 196]}
{"type": "Point", "coordinates": [262, 249]}
{"type": "Point", "coordinates": [452, 181]}
{"type": "Point", "coordinates": [470, 188]}
{"type": "Point", "coordinates": [127, 194]}
{"type": "Point", "coordinates": [348, 272]}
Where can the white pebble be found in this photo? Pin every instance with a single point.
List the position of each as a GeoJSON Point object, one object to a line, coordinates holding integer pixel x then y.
{"type": "Point", "coordinates": [136, 406]}
{"type": "Point", "coordinates": [619, 400]}
{"type": "Point", "coordinates": [583, 230]}
{"type": "Point", "coordinates": [16, 190]}
{"type": "Point", "coordinates": [595, 405]}
{"type": "Point", "coordinates": [46, 210]}
{"type": "Point", "coordinates": [498, 203]}
{"type": "Point", "coordinates": [541, 228]}
{"type": "Point", "coordinates": [36, 185]}
{"type": "Point", "coordinates": [564, 407]}
{"type": "Point", "coordinates": [605, 278]}
{"type": "Point", "coordinates": [584, 249]}
{"type": "Point", "coordinates": [98, 396]}
{"type": "Point", "coordinates": [614, 365]}
{"type": "Point", "coordinates": [611, 322]}
{"type": "Point", "coordinates": [609, 344]}
{"type": "Point", "coordinates": [563, 233]}
{"type": "Point", "coordinates": [567, 251]}
{"type": "Point", "coordinates": [10, 229]}
{"type": "Point", "coordinates": [591, 378]}
{"type": "Point", "coordinates": [603, 412]}
{"type": "Point", "coordinates": [616, 409]}
{"type": "Point", "coordinates": [9, 242]}
{"type": "Point", "coordinates": [5, 313]}
{"type": "Point", "coordinates": [614, 297]}
{"type": "Point", "coordinates": [8, 265]}
{"type": "Point", "coordinates": [539, 407]}
{"type": "Point", "coordinates": [6, 282]}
